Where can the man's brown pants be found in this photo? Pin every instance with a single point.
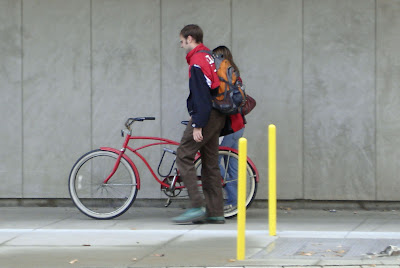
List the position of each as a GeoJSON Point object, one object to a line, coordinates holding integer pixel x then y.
{"type": "Point", "coordinates": [210, 172]}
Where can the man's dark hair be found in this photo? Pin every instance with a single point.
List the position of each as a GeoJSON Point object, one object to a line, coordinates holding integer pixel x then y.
{"type": "Point", "coordinates": [194, 31]}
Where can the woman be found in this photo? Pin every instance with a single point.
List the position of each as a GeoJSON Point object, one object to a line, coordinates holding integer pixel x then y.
{"type": "Point", "coordinates": [237, 122]}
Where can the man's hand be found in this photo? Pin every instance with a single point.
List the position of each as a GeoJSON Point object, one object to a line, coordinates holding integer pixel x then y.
{"type": "Point", "coordinates": [197, 134]}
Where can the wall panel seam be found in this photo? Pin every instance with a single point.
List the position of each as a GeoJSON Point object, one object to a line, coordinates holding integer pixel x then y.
{"type": "Point", "coordinates": [22, 98]}
{"type": "Point", "coordinates": [91, 71]}
{"type": "Point", "coordinates": [161, 73]}
{"type": "Point", "coordinates": [376, 103]}
{"type": "Point", "coordinates": [302, 100]}
{"type": "Point", "coordinates": [231, 35]}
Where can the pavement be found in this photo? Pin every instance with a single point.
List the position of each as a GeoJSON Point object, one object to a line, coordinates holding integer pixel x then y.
{"type": "Point", "coordinates": [145, 237]}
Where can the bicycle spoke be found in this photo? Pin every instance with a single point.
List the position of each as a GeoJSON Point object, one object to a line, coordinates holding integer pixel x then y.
{"type": "Point", "coordinates": [113, 192]}
{"type": "Point", "coordinates": [115, 184]}
{"type": "Point", "coordinates": [226, 167]}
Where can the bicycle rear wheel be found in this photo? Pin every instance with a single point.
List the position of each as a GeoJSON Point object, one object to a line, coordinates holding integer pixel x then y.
{"type": "Point", "coordinates": [95, 198]}
{"type": "Point", "coordinates": [227, 157]}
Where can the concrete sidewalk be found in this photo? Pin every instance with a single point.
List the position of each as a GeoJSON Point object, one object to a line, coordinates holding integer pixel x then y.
{"type": "Point", "coordinates": [145, 237]}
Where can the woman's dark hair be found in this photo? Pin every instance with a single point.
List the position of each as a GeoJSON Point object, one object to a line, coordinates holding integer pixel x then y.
{"type": "Point", "coordinates": [194, 31]}
{"type": "Point", "coordinates": [226, 54]}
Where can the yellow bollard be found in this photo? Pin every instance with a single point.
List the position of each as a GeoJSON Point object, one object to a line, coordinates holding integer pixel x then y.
{"type": "Point", "coordinates": [272, 179]}
{"type": "Point", "coordinates": [241, 216]}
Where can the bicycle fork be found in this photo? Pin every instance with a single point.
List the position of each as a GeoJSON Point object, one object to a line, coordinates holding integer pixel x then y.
{"type": "Point", "coordinates": [122, 151]}
{"type": "Point", "coordinates": [115, 167]}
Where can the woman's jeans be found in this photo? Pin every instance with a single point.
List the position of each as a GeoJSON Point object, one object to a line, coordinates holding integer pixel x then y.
{"type": "Point", "coordinates": [232, 141]}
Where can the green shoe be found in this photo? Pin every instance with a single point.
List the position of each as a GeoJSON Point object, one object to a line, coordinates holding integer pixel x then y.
{"type": "Point", "coordinates": [191, 215]}
{"type": "Point", "coordinates": [216, 220]}
{"type": "Point", "coordinates": [213, 220]}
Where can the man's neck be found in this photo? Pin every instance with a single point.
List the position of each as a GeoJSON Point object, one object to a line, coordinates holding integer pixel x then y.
{"type": "Point", "coordinates": [195, 45]}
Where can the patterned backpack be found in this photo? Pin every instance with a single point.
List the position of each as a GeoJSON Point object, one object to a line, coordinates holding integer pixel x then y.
{"type": "Point", "coordinates": [231, 96]}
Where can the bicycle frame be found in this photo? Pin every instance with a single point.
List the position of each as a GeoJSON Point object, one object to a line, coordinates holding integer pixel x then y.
{"type": "Point", "coordinates": [158, 141]}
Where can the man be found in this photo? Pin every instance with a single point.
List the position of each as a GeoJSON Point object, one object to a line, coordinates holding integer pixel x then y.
{"type": "Point", "coordinates": [202, 133]}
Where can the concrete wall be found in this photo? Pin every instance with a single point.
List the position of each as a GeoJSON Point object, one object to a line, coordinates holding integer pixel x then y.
{"type": "Point", "coordinates": [327, 73]}
{"type": "Point", "coordinates": [339, 99]}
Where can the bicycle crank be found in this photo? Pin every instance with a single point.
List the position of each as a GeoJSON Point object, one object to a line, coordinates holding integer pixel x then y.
{"type": "Point", "coordinates": [173, 191]}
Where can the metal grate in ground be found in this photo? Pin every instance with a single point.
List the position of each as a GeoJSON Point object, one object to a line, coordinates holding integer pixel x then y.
{"type": "Point", "coordinates": [327, 248]}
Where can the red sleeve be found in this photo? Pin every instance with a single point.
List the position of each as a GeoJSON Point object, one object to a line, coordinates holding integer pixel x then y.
{"type": "Point", "coordinates": [237, 122]}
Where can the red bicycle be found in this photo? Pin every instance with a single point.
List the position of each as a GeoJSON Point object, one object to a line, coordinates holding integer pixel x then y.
{"type": "Point", "coordinates": [103, 183]}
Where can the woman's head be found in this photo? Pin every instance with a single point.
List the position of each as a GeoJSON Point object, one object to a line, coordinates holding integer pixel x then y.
{"type": "Point", "coordinates": [226, 54]}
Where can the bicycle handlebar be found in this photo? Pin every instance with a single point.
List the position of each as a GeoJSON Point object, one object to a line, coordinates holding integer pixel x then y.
{"type": "Point", "coordinates": [130, 121]}
{"type": "Point", "coordinates": [143, 118]}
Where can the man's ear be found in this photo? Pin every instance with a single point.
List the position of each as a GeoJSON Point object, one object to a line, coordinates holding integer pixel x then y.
{"type": "Point", "coordinates": [190, 39]}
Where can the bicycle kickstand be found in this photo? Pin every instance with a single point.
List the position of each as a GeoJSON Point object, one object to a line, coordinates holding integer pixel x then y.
{"type": "Point", "coordinates": [169, 201]}
{"type": "Point", "coordinates": [172, 188]}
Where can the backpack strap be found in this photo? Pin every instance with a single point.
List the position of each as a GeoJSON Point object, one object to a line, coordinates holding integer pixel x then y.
{"type": "Point", "coordinates": [217, 58]}
{"type": "Point", "coordinates": [205, 51]}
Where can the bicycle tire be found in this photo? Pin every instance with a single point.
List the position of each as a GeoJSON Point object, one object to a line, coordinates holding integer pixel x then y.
{"type": "Point", "coordinates": [251, 185]}
{"type": "Point", "coordinates": [96, 199]}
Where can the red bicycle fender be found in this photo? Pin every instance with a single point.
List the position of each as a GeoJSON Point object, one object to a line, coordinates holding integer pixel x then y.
{"type": "Point", "coordinates": [253, 166]}
{"type": "Point", "coordinates": [127, 159]}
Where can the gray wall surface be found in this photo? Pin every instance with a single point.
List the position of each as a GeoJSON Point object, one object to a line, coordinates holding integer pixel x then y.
{"type": "Point", "coordinates": [325, 72]}
{"type": "Point", "coordinates": [339, 98]}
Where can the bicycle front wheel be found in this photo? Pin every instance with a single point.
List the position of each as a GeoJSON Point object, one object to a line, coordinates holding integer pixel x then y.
{"type": "Point", "coordinates": [95, 198]}
{"type": "Point", "coordinates": [228, 161]}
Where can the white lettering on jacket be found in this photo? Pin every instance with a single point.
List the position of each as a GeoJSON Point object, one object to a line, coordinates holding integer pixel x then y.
{"type": "Point", "coordinates": [209, 59]}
